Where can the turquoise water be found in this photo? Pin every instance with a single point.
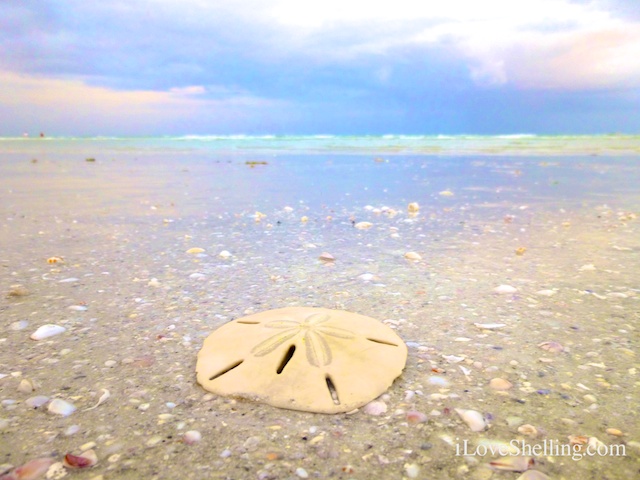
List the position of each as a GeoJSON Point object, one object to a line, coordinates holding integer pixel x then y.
{"type": "Point", "coordinates": [523, 144]}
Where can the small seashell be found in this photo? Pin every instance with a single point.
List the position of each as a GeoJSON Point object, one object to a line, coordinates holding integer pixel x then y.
{"type": "Point", "coordinates": [69, 280]}
{"type": "Point", "coordinates": [327, 257]}
{"type": "Point", "coordinates": [85, 460]}
{"type": "Point", "coordinates": [472, 418]}
{"type": "Point", "coordinates": [615, 432]}
{"type": "Point", "coordinates": [105, 394]}
{"type": "Point", "coordinates": [304, 219]}
{"type": "Point", "coordinates": [37, 401]}
{"type": "Point", "coordinates": [414, 416]}
{"type": "Point", "coordinates": [578, 440]}
{"type": "Point", "coordinates": [546, 293]}
{"type": "Point", "coordinates": [505, 289]}
{"type": "Point", "coordinates": [533, 475]}
{"type": "Point", "coordinates": [551, 346]}
{"type": "Point", "coordinates": [513, 463]}
{"type": "Point", "coordinates": [446, 193]}
{"type": "Point", "coordinates": [46, 331]}
{"type": "Point", "coordinates": [520, 251]}
{"type": "Point", "coordinates": [61, 407]}
{"type": "Point", "coordinates": [376, 407]}
{"type": "Point", "coordinates": [500, 384]}
{"type": "Point", "coordinates": [413, 207]}
{"type": "Point", "coordinates": [225, 254]}
{"type": "Point", "coordinates": [490, 326]}
{"type": "Point", "coordinates": [31, 470]}
{"type": "Point", "coordinates": [412, 470]}
{"type": "Point", "coordinates": [192, 437]}
{"type": "Point", "coordinates": [26, 386]}
{"type": "Point", "coordinates": [366, 277]}
{"type": "Point", "coordinates": [154, 282]}
{"type": "Point", "coordinates": [412, 256]}
{"type": "Point", "coordinates": [363, 225]}
{"type": "Point", "coordinates": [195, 250]}
{"type": "Point", "coordinates": [528, 430]}
{"type": "Point", "coordinates": [18, 291]}
{"type": "Point", "coordinates": [19, 325]}
{"type": "Point", "coordinates": [77, 308]}
{"type": "Point", "coordinates": [55, 260]}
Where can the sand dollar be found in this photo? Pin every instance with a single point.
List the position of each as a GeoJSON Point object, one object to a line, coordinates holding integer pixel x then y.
{"type": "Point", "coordinates": [300, 358]}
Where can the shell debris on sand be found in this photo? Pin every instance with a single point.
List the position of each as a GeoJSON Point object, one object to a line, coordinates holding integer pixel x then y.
{"type": "Point", "coordinates": [500, 384]}
{"type": "Point", "coordinates": [412, 256]}
{"type": "Point", "coordinates": [86, 459]}
{"type": "Point", "coordinates": [46, 331]}
{"type": "Point", "coordinates": [18, 291]}
{"type": "Point", "coordinates": [474, 419]}
{"type": "Point", "coordinates": [363, 225]}
{"type": "Point", "coordinates": [502, 289]}
{"type": "Point", "coordinates": [61, 407]}
{"type": "Point", "coordinates": [413, 207]}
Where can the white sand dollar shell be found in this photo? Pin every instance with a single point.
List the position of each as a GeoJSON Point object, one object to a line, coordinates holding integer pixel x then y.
{"type": "Point", "coordinates": [300, 358]}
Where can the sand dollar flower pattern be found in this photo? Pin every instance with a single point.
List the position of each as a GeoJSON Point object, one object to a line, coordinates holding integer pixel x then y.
{"type": "Point", "coordinates": [313, 330]}
{"type": "Point", "coordinates": [302, 358]}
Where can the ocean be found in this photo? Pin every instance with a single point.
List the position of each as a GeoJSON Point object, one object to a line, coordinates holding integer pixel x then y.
{"type": "Point", "coordinates": [518, 144]}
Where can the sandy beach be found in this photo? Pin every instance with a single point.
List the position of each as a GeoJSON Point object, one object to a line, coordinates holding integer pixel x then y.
{"type": "Point", "coordinates": [522, 305]}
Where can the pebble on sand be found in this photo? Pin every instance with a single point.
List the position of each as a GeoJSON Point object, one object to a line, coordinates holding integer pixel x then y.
{"type": "Point", "coordinates": [412, 256]}
{"type": "Point", "coordinates": [413, 207]}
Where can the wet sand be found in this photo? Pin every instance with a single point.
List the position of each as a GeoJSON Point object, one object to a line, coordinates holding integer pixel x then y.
{"type": "Point", "coordinates": [563, 233]}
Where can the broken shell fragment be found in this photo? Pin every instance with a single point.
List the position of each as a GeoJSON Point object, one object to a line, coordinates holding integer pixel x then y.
{"type": "Point", "coordinates": [61, 407]}
{"type": "Point", "coordinates": [490, 326]}
{"type": "Point", "coordinates": [500, 384]}
{"type": "Point", "coordinates": [513, 463]}
{"type": "Point", "coordinates": [472, 418]}
{"type": "Point", "coordinates": [363, 225]}
{"type": "Point", "coordinates": [105, 395]}
{"type": "Point", "coordinates": [412, 256]}
{"type": "Point", "coordinates": [192, 437]}
{"type": "Point", "coordinates": [299, 358]}
{"type": "Point", "coordinates": [413, 207]}
{"type": "Point", "coordinates": [26, 386]}
{"type": "Point", "coordinates": [85, 460]}
{"type": "Point", "coordinates": [55, 260]}
{"type": "Point", "coordinates": [327, 257]}
{"type": "Point", "coordinates": [551, 346]}
{"type": "Point", "coordinates": [31, 470]}
{"type": "Point", "coordinates": [528, 430]}
{"type": "Point", "coordinates": [46, 331]}
{"type": "Point", "coordinates": [505, 289]}
{"type": "Point", "coordinates": [18, 291]}
{"type": "Point", "coordinates": [195, 250]}
{"type": "Point", "coordinates": [533, 475]}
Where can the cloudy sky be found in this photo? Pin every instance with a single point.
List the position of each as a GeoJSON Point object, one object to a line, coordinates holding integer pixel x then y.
{"type": "Point", "coordinates": [153, 67]}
